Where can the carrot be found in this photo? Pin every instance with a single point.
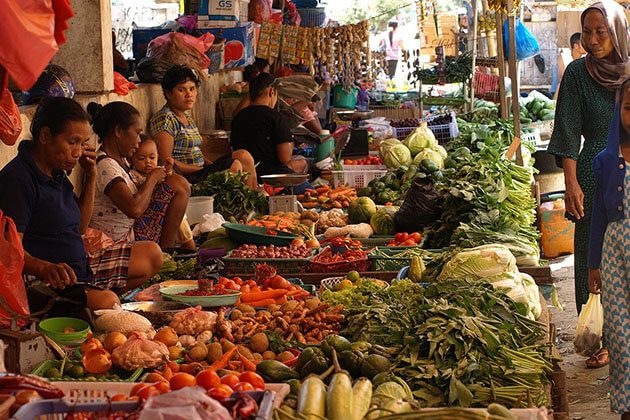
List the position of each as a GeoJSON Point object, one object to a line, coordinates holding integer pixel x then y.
{"type": "Point", "coordinates": [297, 292]}
{"type": "Point", "coordinates": [246, 363]}
{"type": "Point", "coordinates": [262, 302]}
{"type": "Point", "coordinates": [281, 300]}
{"type": "Point", "coordinates": [267, 294]}
{"type": "Point", "coordinates": [223, 361]}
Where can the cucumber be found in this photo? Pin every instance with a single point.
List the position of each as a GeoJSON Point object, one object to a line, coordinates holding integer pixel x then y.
{"type": "Point", "coordinates": [339, 399]}
{"type": "Point", "coordinates": [312, 398]}
{"type": "Point", "coordinates": [361, 398]}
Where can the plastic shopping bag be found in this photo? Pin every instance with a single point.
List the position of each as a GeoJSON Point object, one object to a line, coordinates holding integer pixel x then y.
{"type": "Point", "coordinates": [588, 334]}
{"type": "Point", "coordinates": [12, 288]}
{"type": "Point", "coordinates": [526, 44]}
{"type": "Point", "coordinates": [10, 119]}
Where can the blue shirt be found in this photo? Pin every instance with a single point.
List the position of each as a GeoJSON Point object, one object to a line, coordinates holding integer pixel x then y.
{"type": "Point", "coordinates": [609, 170]}
{"type": "Point", "coordinates": [45, 210]}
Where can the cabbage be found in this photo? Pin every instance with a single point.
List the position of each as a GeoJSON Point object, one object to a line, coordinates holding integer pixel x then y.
{"type": "Point", "coordinates": [533, 293]}
{"type": "Point", "coordinates": [512, 284]}
{"type": "Point", "coordinates": [386, 145]}
{"type": "Point", "coordinates": [430, 154]}
{"type": "Point", "coordinates": [441, 151]}
{"type": "Point", "coordinates": [420, 138]}
{"type": "Point", "coordinates": [397, 156]}
{"type": "Point", "coordinates": [476, 263]}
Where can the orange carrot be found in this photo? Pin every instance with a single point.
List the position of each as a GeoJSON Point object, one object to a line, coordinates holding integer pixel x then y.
{"type": "Point", "coordinates": [281, 300]}
{"type": "Point", "coordinates": [297, 292]}
{"type": "Point", "coordinates": [262, 303]}
{"type": "Point", "coordinates": [246, 363]}
{"type": "Point", "coordinates": [224, 360]}
{"type": "Point", "coordinates": [267, 294]}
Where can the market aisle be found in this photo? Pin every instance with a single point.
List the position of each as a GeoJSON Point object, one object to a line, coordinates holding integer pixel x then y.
{"type": "Point", "coordinates": [587, 388]}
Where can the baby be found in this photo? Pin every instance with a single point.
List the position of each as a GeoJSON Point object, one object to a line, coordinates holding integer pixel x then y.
{"type": "Point", "coordinates": [144, 160]}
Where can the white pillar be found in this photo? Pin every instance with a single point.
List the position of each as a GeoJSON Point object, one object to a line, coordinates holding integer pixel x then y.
{"type": "Point", "coordinates": [87, 55]}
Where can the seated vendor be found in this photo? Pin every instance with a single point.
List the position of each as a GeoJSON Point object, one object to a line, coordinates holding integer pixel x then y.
{"type": "Point", "coordinates": [37, 194]}
{"type": "Point", "coordinates": [159, 203]}
{"type": "Point", "coordinates": [178, 137]}
{"type": "Point", "coordinates": [264, 132]}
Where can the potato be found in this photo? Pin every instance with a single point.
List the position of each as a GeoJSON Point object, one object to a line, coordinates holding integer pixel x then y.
{"type": "Point", "coordinates": [236, 315]}
{"type": "Point", "coordinates": [214, 352]}
{"type": "Point", "coordinates": [246, 309]}
{"type": "Point", "coordinates": [269, 355]}
{"type": "Point", "coordinates": [259, 343]}
{"type": "Point", "coordinates": [227, 345]}
{"type": "Point", "coordinates": [284, 356]}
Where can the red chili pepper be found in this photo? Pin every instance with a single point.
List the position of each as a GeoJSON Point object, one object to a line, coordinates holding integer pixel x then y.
{"type": "Point", "coordinates": [291, 362]}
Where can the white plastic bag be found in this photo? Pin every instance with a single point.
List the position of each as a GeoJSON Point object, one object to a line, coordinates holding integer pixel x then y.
{"type": "Point", "coordinates": [588, 334]}
{"type": "Point", "coordinates": [210, 222]}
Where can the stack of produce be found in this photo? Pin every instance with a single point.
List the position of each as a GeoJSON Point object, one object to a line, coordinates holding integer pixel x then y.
{"type": "Point", "coordinates": [232, 198]}
{"type": "Point", "coordinates": [328, 198]}
{"type": "Point", "coordinates": [531, 109]}
{"type": "Point", "coordinates": [456, 69]}
{"type": "Point", "coordinates": [487, 198]}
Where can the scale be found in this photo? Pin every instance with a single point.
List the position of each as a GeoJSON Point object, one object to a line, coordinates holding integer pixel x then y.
{"type": "Point", "coordinates": [286, 203]}
{"type": "Point", "coordinates": [357, 144]}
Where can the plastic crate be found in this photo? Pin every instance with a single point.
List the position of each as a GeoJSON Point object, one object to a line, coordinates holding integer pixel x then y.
{"type": "Point", "coordinates": [363, 167]}
{"type": "Point", "coordinates": [356, 178]}
{"type": "Point", "coordinates": [402, 133]}
{"type": "Point", "coordinates": [234, 266]}
{"type": "Point", "coordinates": [444, 132]}
{"type": "Point", "coordinates": [41, 369]}
{"type": "Point", "coordinates": [375, 240]}
{"type": "Point", "coordinates": [312, 17]}
{"type": "Point", "coordinates": [390, 261]}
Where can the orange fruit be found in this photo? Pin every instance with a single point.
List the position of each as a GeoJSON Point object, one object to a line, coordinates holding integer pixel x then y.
{"type": "Point", "coordinates": [182, 380]}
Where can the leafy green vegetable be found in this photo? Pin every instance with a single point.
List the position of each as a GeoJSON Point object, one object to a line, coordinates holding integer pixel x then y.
{"type": "Point", "coordinates": [231, 196]}
{"type": "Point", "coordinates": [480, 262]}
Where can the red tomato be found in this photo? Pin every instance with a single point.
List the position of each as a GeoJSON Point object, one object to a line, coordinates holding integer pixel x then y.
{"type": "Point", "coordinates": [208, 379]}
{"type": "Point", "coordinates": [147, 392]}
{"type": "Point", "coordinates": [138, 387]}
{"type": "Point", "coordinates": [251, 283]}
{"type": "Point", "coordinates": [182, 380]}
{"type": "Point", "coordinates": [409, 242]}
{"type": "Point", "coordinates": [220, 392]}
{"type": "Point", "coordinates": [416, 237]}
{"type": "Point", "coordinates": [243, 386]}
{"type": "Point", "coordinates": [223, 280]}
{"type": "Point", "coordinates": [230, 380]}
{"type": "Point", "coordinates": [401, 237]}
{"type": "Point", "coordinates": [238, 281]}
{"type": "Point", "coordinates": [119, 397]}
{"type": "Point", "coordinates": [232, 285]}
{"type": "Point", "coordinates": [162, 386]}
{"type": "Point", "coordinates": [252, 378]}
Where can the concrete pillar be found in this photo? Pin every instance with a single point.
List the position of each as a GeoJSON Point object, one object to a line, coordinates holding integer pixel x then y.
{"type": "Point", "coordinates": [87, 55]}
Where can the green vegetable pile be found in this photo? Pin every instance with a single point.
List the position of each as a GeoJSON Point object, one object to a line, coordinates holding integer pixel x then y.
{"type": "Point", "coordinates": [232, 198]}
{"type": "Point", "coordinates": [487, 199]}
{"type": "Point", "coordinates": [457, 69]}
{"type": "Point", "coordinates": [463, 343]}
{"type": "Point", "coordinates": [531, 109]}
{"type": "Point", "coordinates": [353, 296]}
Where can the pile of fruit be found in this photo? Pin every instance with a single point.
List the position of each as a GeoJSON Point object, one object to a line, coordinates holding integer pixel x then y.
{"type": "Point", "coordinates": [328, 198]}
{"type": "Point", "coordinates": [406, 239]}
{"type": "Point", "coordinates": [370, 160]}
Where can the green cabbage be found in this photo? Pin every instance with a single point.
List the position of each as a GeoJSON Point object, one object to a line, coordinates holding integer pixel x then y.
{"type": "Point", "coordinates": [386, 145]}
{"type": "Point", "coordinates": [430, 154]}
{"type": "Point", "coordinates": [476, 263]}
{"type": "Point", "coordinates": [397, 156]}
{"type": "Point", "coordinates": [441, 151]}
{"type": "Point", "coordinates": [533, 293]}
{"type": "Point", "coordinates": [420, 138]}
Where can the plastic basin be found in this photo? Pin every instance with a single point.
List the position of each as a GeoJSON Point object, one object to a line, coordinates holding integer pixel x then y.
{"type": "Point", "coordinates": [53, 328]}
{"type": "Point", "coordinates": [197, 207]}
{"type": "Point", "coordinates": [173, 293]}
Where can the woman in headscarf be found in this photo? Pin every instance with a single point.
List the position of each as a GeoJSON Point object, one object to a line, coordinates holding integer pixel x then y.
{"type": "Point", "coordinates": [585, 110]}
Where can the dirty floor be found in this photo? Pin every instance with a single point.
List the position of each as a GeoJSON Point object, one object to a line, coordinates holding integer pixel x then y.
{"type": "Point", "coordinates": [587, 388]}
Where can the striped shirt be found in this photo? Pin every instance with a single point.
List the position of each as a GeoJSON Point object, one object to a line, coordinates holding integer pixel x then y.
{"type": "Point", "coordinates": [186, 138]}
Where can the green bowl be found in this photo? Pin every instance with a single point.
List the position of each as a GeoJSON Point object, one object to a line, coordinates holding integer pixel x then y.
{"type": "Point", "coordinates": [257, 235]}
{"type": "Point", "coordinates": [53, 328]}
{"type": "Point", "coordinates": [173, 293]}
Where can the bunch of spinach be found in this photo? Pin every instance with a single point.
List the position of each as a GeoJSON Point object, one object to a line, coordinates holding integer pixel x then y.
{"type": "Point", "coordinates": [463, 343]}
{"type": "Point", "coordinates": [232, 198]}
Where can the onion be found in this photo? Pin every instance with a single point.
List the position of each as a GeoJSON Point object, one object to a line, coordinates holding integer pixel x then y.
{"type": "Point", "coordinates": [312, 243]}
{"type": "Point", "coordinates": [297, 242]}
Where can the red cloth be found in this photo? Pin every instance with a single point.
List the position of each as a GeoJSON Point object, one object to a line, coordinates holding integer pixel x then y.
{"type": "Point", "coordinates": [63, 12]}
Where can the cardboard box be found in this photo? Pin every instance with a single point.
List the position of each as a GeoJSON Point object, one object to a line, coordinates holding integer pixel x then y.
{"type": "Point", "coordinates": [220, 9]}
{"type": "Point", "coordinates": [239, 46]}
{"type": "Point", "coordinates": [213, 24]}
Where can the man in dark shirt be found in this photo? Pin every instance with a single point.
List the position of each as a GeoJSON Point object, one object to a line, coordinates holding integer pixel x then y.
{"type": "Point", "coordinates": [264, 132]}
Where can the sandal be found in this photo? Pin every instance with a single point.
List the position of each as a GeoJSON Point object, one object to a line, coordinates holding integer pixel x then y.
{"type": "Point", "coordinates": [599, 359]}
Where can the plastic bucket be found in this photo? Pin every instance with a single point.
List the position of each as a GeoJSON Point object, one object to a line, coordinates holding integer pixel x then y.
{"type": "Point", "coordinates": [343, 99]}
{"type": "Point", "coordinates": [54, 328]}
{"type": "Point", "coordinates": [197, 207]}
{"type": "Point", "coordinates": [324, 150]}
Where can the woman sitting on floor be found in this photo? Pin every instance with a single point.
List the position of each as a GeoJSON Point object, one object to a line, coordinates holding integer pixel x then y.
{"type": "Point", "coordinates": [37, 194]}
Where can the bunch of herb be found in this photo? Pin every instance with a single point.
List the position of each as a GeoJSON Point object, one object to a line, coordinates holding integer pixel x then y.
{"type": "Point", "coordinates": [232, 198]}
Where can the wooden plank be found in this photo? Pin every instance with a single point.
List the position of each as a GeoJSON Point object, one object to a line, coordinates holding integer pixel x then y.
{"type": "Point", "coordinates": [501, 65]}
{"type": "Point", "coordinates": [513, 69]}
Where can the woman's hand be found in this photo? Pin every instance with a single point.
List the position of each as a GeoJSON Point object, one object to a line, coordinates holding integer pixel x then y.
{"type": "Point", "coordinates": [157, 175]}
{"type": "Point", "coordinates": [574, 199]}
{"type": "Point", "coordinates": [58, 276]}
{"type": "Point", "coordinates": [169, 164]}
{"type": "Point", "coordinates": [88, 161]}
{"type": "Point", "coordinates": [594, 281]}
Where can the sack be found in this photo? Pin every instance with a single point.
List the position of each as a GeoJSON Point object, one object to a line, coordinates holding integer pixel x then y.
{"type": "Point", "coordinates": [11, 265]}
{"type": "Point", "coordinates": [10, 119]}
{"type": "Point", "coordinates": [422, 206]}
{"type": "Point", "coordinates": [260, 10]}
{"type": "Point", "coordinates": [29, 25]}
{"type": "Point", "coordinates": [588, 334]}
{"type": "Point", "coordinates": [122, 86]}
{"type": "Point", "coordinates": [526, 44]}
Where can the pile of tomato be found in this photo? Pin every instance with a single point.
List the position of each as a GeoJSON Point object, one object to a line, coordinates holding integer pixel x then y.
{"type": "Point", "coordinates": [217, 387]}
{"type": "Point", "coordinates": [406, 239]}
{"type": "Point", "coordinates": [370, 160]}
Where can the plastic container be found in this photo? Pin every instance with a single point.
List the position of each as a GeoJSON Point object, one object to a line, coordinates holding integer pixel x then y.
{"type": "Point", "coordinates": [556, 231]}
{"type": "Point", "coordinates": [356, 178]}
{"type": "Point", "coordinates": [256, 235]}
{"type": "Point", "coordinates": [172, 293]}
{"type": "Point", "coordinates": [343, 99]}
{"type": "Point", "coordinates": [444, 132]}
{"type": "Point", "coordinates": [53, 328]}
{"type": "Point", "coordinates": [325, 149]}
{"type": "Point", "coordinates": [197, 207]}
